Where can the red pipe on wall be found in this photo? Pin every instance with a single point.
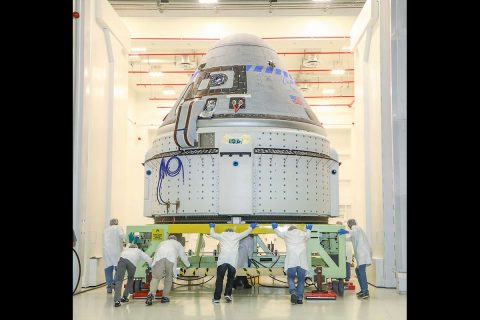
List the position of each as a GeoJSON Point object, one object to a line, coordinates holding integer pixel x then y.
{"type": "Point", "coordinates": [186, 39]}
{"type": "Point", "coordinates": [315, 70]}
{"type": "Point", "coordinates": [161, 84]}
{"type": "Point", "coordinates": [315, 97]}
{"type": "Point", "coordinates": [318, 82]}
{"type": "Point", "coordinates": [186, 71]}
{"type": "Point", "coordinates": [317, 52]}
{"type": "Point", "coordinates": [203, 53]}
{"type": "Point", "coordinates": [333, 105]}
{"type": "Point", "coordinates": [319, 37]}
{"type": "Point", "coordinates": [264, 38]}
{"type": "Point", "coordinates": [168, 54]}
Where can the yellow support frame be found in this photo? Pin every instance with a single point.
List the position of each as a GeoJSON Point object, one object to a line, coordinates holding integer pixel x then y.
{"type": "Point", "coordinates": [205, 228]}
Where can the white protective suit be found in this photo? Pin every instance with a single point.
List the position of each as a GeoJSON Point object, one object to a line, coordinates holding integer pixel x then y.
{"type": "Point", "coordinates": [112, 245]}
{"type": "Point", "coordinates": [134, 255]}
{"type": "Point", "coordinates": [171, 249]}
{"type": "Point", "coordinates": [229, 242]}
{"type": "Point", "coordinates": [245, 250]}
{"type": "Point", "coordinates": [296, 243]}
{"type": "Point", "coordinates": [361, 246]}
{"type": "Point", "coordinates": [349, 251]}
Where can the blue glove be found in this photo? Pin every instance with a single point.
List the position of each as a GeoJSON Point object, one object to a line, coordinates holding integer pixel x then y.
{"type": "Point", "coordinates": [253, 225]}
{"type": "Point", "coordinates": [131, 237]}
{"type": "Point", "coordinates": [342, 231]}
{"type": "Point", "coordinates": [274, 225]}
{"type": "Point", "coordinates": [211, 224]}
{"type": "Point", "coordinates": [309, 226]}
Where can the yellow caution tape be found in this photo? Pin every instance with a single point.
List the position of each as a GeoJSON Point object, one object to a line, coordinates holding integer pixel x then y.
{"type": "Point", "coordinates": [240, 271]}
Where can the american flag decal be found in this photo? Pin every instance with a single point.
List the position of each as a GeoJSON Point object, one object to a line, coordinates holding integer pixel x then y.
{"type": "Point", "coordinates": [296, 100]}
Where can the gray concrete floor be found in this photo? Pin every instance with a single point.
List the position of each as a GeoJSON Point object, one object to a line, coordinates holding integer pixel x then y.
{"type": "Point", "coordinates": [257, 303]}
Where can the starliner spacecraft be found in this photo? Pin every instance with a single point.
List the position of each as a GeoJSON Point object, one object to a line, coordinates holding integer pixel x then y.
{"type": "Point", "coordinates": [241, 142]}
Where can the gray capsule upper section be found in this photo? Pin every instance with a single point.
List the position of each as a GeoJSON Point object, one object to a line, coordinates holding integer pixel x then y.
{"type": "Point", "coordinates": [243, 66]}
{"type": "Point", "coordinates": [241, 49]}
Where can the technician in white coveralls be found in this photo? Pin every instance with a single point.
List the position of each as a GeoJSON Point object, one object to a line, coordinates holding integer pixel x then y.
{"type": "Point", "coordinates": [296, 263]}
{"type": "Point", "coordinates": [128, 263]}
{"type": "Point", "coordinates": [112, 248]}
{"type": "Point", "coordinates": [363, 254]}
{"type": "Point", "coordinates": [164, 265]}
{"type": "Point", "coordinates": [227, 259]}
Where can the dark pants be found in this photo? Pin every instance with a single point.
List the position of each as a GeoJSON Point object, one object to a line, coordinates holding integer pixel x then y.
{"type": "Point", "coordinates": [109, 277]}
{"type": "Point", "coordinates": [123, 266]}
{"type": "Point", "coordinates": [300, 274]}
{"type": "Point", "coordinates": [362, 277]}
{"type": "Point", "coordinates": [221, 269]}
{"type": "Point", "coordinates": [348, 272]}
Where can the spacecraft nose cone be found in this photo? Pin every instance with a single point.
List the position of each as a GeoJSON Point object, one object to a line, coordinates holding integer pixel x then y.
{"type": "Point", "coordinates": [242, 77]}
{"type": "Point", "coordinates": [242, 39]}
{"type": "Point", "coordinates": [241, 49]}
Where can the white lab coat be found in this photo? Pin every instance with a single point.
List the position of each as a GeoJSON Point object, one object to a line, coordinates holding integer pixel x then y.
{"type": "Point", "coordinates": [171, 250]}
{"type": "Point", "coordinates": [361, 246]}
{"type": "Point", "coordinates": [112, 245]}
{"type": "Point", "coordinates": [134, 255]}
{"type": "Point", "coordinates": [245, 250]}
{"type": "Point", "coordinates": [296, 243]}
{"type": "Point", "coordinates": [349, 251]}
{"type": "Point", "coordinates": [229, 242]}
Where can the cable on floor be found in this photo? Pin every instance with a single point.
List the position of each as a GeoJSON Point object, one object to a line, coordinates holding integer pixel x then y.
{"type": "Point", "coordinates": [79, 269]}
{"type": "Point", "coordinates": [380, 287]}
{"type": "Point", "coordinates": [195, 284]}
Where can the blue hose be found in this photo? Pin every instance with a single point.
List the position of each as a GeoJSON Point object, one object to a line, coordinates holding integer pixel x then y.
{"type": "Point", "coordinates": [164, 172]}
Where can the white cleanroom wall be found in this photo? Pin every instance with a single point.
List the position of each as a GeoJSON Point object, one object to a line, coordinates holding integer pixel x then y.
{"type": "Point", "coordinates": [100, 129]}
{"type": "Point", "coordinates": [138, 143]}
{"type": "Point", "coordinates": [218, 27]}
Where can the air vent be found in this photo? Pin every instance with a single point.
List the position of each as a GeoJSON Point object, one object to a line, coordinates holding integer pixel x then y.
{"type": "Point", "coordinates": [186, 63]}
{"type": "Point", "coordinates": [304, 87]}
{"type": "Point", "coordinates": [311, 61]}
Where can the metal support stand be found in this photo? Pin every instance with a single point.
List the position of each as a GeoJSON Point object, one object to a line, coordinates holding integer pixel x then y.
{"type": "Point", "coordinates": [318, 271]}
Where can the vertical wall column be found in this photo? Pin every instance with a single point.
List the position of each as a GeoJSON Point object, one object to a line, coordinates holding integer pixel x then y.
{"type": "Point", "coordinates": [387, 149]}
{"type": "Point", "coordinates": [110, 84]}
{"type": "Point", "coordinates": [100, 124]}
{"type": "Point", "coordinates": [399, 116]}
{"type": "Point", "coordinates": [78, 36]}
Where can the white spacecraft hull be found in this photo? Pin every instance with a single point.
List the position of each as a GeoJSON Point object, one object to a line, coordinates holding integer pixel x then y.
{"type": "Point", "coordinates": [241, 142]}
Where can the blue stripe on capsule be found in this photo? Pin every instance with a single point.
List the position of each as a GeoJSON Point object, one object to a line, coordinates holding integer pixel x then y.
{"type": "Point", "coordinates": [278, 71]}
{"type": "Point", "coordinates": [258, 69]}
{"type": "Point", "coordinates": [247, 67]}
{"type": "Point", "coordinates": [268, 70]}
